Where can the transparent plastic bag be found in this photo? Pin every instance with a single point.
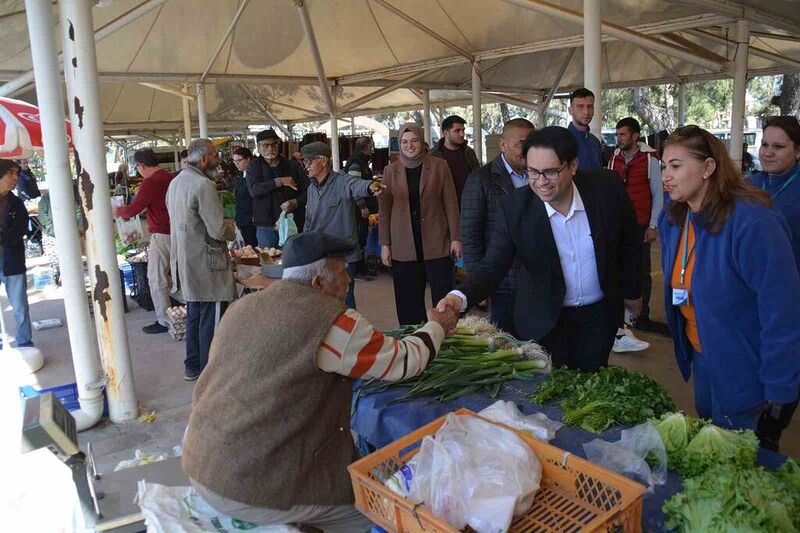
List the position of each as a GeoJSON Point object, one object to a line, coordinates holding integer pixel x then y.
{"type": "Point", "coordinates": [629, 455]}
{"type": "Point", "coordinates": [286, 227]}
{"type": "Point", "coordinates": [537, 424]}
{"type": "Point", "coordinates": [475, 473]}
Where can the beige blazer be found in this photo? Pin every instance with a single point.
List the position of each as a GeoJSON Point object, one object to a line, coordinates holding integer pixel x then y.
{"type": "Point", "coordinates": [439, 210]}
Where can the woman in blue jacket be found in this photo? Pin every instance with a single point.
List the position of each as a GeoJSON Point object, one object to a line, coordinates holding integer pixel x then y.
{"type": "Point", "coordinates": [731, 285]}
{"type": "Point", "coordinates": [779, 154]}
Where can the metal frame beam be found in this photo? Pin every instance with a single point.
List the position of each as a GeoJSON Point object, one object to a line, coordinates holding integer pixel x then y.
{"type": "Point", "coordinates": [574, 41]}
{"type": "Point", "coordinates": [519, 102]}
{"type": "Point", "coordinates": [460, 51]}
{"type": "Point", "coordinates": [224, 39]}
{"type": "Point", "coordinates": [260, 105]}
{"type": "Point", "coordinates": [168, 90]}
{"type": "Point", "coordinates": [661, 63]}
{"type": "Point", "coordinates": [740, 11]}
{"type": "Point", "coordinates": [552, 92]}
{"type": "Point", "coordinates": [380, 92]}
{"type": "Point", "coordinates": [694, 47]}
{"type": "Point", "coordinates": [315, 55]}
{"type": "Point", "coordinates": [778, 36]}
{"type": "Point", "coordinates": [116, 24]}
{"type": "Point", "coordinates": [620, 32]}
{"type": "Point", "coordinates": [760, 52]}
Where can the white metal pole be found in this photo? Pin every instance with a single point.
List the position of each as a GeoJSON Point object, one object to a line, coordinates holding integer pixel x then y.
{"type": "Point", "coordinates": [202, 119]}
{"type": "Point", "coordinates": [477, 138]}
{"type": "Point", "coordinates": [739, 90]}
{"type": "Point", "coordinates": [85, 356]}
{"type": "Point", "coordinates": [80, 73]}
{"type": "Point", "coordinates": [187, 122]}
{"type": "Point", "coordinates": [426, 115]}
{"type": "Point", "coordinates": [682, 103]}
{"type": "Point", "coordinates": [353, 126]}
{"type": "Point", "coordinates": [592, 62]}
{"type": "Point", "coordinates": [175, 150]}
{"type": "Point", "coordinates": [334, 134]}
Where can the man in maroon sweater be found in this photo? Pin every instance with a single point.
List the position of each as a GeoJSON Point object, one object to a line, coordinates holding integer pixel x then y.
{"type": "Point", "coordinates": [152, 196]}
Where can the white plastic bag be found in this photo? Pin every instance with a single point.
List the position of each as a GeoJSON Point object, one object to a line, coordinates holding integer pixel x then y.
{"type": "Point", "coordinates": [537, 424]}
{"type": "Point", "coordinates": [628, 455]}
{"type": "Point", "coordinates": [141, 458]}
{"type": "Point", "coordinates": [286, 227]}
{"type": "Point", "coordinates": [475, 473]}
{"type": "Point", "coordinates": [182, 510]}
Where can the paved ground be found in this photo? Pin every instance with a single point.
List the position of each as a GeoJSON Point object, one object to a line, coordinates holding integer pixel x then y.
{"type": "Point", "coordinates": [158, 368]}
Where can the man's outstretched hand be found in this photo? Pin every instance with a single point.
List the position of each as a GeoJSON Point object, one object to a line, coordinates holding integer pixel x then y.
{"type": "Point", "coordinates": [451, 301]}
{"type": "Point", "coordinates": [448, 319]}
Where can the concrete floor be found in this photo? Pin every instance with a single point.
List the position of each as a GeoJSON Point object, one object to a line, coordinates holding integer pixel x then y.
{"type": "Point", "coordinates": [158, 370]}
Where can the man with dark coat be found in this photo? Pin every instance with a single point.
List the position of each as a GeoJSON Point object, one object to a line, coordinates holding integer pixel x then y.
{"type": "Point", "coordinates": [244, 202]}
{"type": "Point", "coordinates": [483, 190]}
{"type": "Point", "coordinates": [579, 250]}
{"type": "Point", "coordinates": [454, 149]}
{"type": "Point", "coordinates": [276, 184]}
{"type": "Point", "coordinates": [13, 227]}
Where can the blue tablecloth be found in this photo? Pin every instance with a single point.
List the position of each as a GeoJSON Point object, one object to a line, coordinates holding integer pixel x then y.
{"type": "Point", "coordinates": [378, 422]}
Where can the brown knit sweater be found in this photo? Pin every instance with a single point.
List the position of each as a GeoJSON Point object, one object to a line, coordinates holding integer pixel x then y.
{"type": "Point", "coordinates": [268, 428]}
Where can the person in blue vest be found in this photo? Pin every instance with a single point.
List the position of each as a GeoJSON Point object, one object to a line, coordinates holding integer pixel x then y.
{"type": "Point", "coordinates": [581, 108]}
{"type": "Point", "coordinates": [731, 287]}
{"type": "Point", "coordinates": [13, 227]}
{"type": "Point", "coordinates": [780, 156]}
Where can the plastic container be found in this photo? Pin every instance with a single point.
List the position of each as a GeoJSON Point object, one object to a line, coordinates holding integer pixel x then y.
{"type": "Point", "coordinates": [42, 277]}
{"type": "Point", "coordinates": [575, 495]}
{"type": "Point", "coordinates": [66, 394]}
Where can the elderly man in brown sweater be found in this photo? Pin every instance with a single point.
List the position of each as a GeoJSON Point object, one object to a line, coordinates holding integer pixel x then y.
{"type": "Point", "coordinates": [269, 436]}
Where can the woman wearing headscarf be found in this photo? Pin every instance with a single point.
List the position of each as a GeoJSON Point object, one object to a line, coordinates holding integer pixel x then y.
{"type": "Point", "coordinates": [731, 287]}
{"type": "Point", "coordinates": [419, 226]}
{"type": "Point", "coordinates": [780, 157]}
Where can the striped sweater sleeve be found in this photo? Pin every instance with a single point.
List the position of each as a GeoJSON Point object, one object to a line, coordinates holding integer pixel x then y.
{"type": "Point", "coordinates": [354, 348]}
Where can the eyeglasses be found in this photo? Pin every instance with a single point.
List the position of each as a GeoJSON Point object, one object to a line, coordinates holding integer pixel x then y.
{"type": "Point", "coordinates": [238, 160]}
{"type": "Point", "coordinates": [308, 161]}
{"type": "Point", "coordinates": [695, 131]}
{"type": "Point", "coordinates": [268, 144]}
{"type": "Point", "coordinates": [550, 174]}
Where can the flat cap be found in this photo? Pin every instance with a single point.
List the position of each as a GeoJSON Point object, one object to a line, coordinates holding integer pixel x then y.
{"type": "Point", "coordinates": [314, 149]}
{"type": "Point", "coordinates": [263, 135]}
{"type": "Point", "coordinates": [305, 248]}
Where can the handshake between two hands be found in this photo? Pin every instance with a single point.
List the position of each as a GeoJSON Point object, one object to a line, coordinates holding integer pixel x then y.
{"type": "Point", "coordinates": [446, 313]}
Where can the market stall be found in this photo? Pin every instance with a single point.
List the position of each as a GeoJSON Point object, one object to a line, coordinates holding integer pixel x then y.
{"type": "Point", "coordinates": [381, 416]}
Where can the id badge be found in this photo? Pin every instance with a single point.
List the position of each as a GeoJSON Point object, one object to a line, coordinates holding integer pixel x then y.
{"type": "Point", "coordinates": [680, 297]}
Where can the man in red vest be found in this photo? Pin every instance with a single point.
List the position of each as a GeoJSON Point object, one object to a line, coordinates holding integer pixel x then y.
{"type": "Point", "coordinates": [640, 171]}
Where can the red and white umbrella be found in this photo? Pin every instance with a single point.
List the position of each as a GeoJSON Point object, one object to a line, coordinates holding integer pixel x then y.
{"type": "Point", "coordinates": [20, 129]}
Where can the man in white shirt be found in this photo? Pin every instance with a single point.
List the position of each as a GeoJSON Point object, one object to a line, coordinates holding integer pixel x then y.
{"type": "Point", "coordinates": [577, 241]}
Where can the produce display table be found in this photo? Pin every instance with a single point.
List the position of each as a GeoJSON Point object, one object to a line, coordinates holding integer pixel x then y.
{"type": "Point", "coordinates": [378, 421]}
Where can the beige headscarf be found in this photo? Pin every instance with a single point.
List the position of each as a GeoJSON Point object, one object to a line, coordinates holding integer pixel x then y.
{"type": "Point", "coordinates": [411, 162]}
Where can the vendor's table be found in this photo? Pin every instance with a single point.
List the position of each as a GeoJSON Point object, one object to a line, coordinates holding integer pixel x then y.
{"type": "Point", "coordinates": [378, 420]}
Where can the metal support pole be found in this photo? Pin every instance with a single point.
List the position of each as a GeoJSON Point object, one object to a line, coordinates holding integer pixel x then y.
{"type": "Point", "coordinates": [187, 122]}
{"type": "Point", "coordinates": [305, 20]}
{"type": "Point", "coordinates": [83, 93]}
{"type": "Point", "coordinates": [682, 103]}
{"type": "Point", "coordinates": [352, 126]}
{"type": "Point", "coordinates": [426, 115]}
{"type": "Point", "coordinates": [739, 90]}
{"type": "Point", "coordinates": [85, 358]}
{"type": "Point", "coordinates": [202, 119]}
{"type": "Point", "coordinates": [592, 59]}
{"type": "Point", "coordinates": [334, 135]}
{"type": "Point", "coordinates": [176, 139]}
{"type": "Point", "coordinates": [477, 138]}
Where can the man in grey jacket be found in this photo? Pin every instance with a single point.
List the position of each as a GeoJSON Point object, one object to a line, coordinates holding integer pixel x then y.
{"type": "Point", "coordinates": [330, 207]}
{"type": "Point", "coordinates": [201, 266]}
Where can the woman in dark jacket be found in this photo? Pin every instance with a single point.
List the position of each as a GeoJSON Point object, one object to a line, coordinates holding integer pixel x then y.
{"type": "Point", "coordinates": [731, 287]}
{"type": "Point", "coordinates": [419, 226]}
{"type": "Point", "coordinates": [244, 202]}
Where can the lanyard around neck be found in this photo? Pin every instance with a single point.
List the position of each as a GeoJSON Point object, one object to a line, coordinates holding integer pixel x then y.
{"type": "Point", "coordinates": [685, 245]}
{"type": "Point", "coordinates": [785, 183]}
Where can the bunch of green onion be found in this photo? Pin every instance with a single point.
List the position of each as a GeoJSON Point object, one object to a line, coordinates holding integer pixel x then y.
{"type": "Point", "coordinates": [468, 363]}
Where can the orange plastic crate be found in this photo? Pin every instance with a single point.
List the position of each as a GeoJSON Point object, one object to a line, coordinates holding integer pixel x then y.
{"type": "Point", "coordinates": [575, 495]}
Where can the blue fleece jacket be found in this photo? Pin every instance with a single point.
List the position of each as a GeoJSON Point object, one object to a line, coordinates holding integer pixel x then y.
{"type": "Point", "coordinates": [787, 201]}
{"type": "Point", "coordinates": [746, 293]}
{"type": "Point", "coordinates": [590, 153]}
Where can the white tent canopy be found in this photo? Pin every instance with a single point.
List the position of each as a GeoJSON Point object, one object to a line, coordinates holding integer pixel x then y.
{"type": "Point", "coordinates": [265, 64]}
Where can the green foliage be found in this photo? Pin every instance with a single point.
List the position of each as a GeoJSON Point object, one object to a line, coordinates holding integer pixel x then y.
{"type": "Point", "coordinates": [734, 498]}
{"type": "Point", "coordinates": [714, 445]}
{"type": "Point", "coordinates": [612, 395]}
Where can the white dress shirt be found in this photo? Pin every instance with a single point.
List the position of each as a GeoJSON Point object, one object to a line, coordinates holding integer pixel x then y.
{"type": "Point", "coordinates": [573, 238]}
